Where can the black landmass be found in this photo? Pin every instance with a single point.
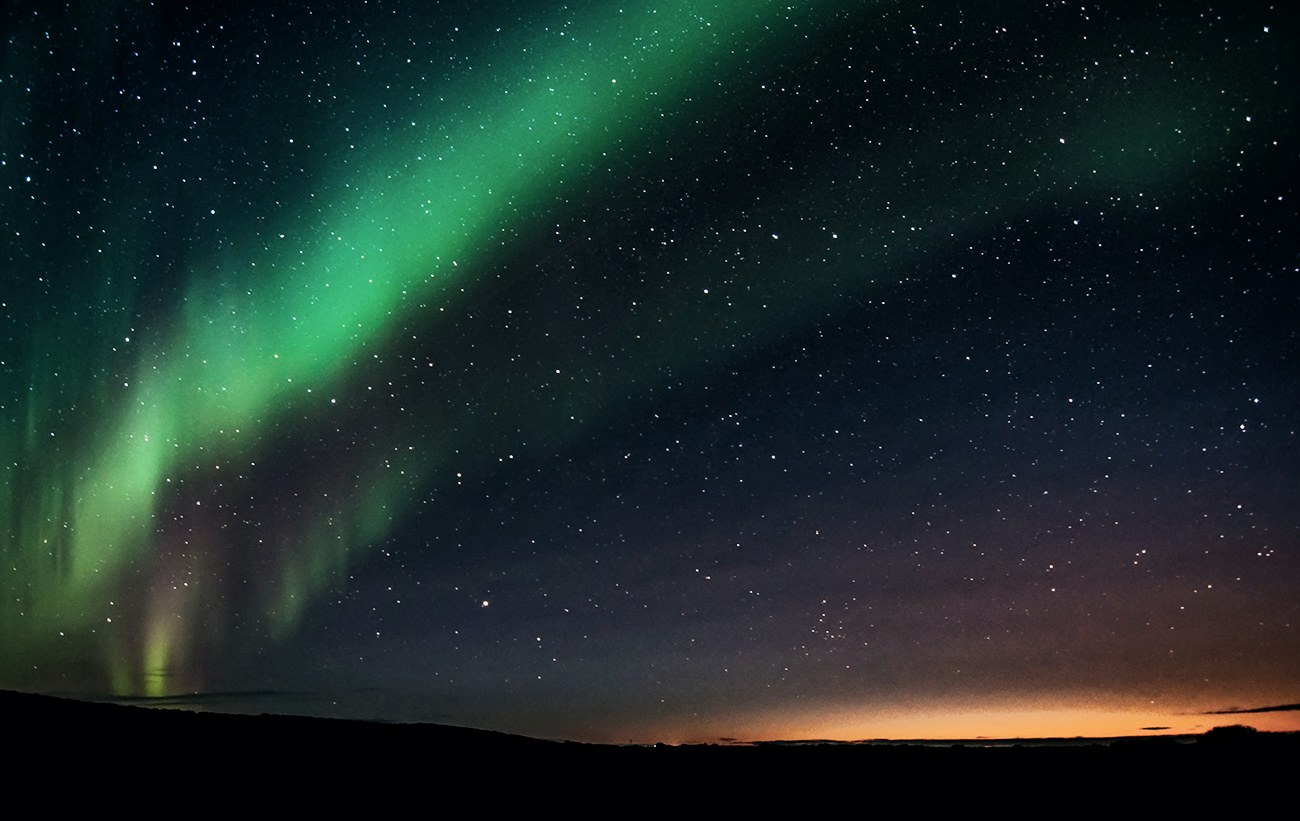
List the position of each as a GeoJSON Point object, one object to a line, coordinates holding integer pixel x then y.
{"type": "Point", "coordinates": [120, 742]}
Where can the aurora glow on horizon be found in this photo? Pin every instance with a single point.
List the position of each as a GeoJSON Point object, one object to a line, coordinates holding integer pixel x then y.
{"type": "Point", "coordinates": [669, 369]}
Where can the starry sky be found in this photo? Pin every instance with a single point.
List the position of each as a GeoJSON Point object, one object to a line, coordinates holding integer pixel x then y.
{"type": "Point", "coordinates": [658, 370]}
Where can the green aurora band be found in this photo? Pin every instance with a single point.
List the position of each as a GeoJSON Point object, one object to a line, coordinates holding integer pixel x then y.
{"type": "Point", "coordinates": [94, 568]}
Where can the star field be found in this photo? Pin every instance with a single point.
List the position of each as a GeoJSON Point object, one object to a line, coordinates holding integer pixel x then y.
{"type": "Point", "coordinates": [677, 370]}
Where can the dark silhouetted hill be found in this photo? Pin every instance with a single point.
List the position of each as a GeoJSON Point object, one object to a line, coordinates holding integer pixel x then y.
{"type": "Point", "coordinates": [115, 744]}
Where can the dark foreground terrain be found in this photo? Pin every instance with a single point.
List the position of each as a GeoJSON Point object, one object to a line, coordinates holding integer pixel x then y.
{"type": "Point", "coordinates": [130, 746]}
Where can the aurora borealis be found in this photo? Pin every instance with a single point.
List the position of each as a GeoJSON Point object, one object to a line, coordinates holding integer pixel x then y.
{"type": "Point", "coordinates": [673, 370]}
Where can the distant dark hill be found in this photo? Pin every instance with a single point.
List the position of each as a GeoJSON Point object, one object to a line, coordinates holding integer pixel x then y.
{"type": "Point", "coordinates": [116, 744]}
{"type": "Point", "coordinates": [33, 716]}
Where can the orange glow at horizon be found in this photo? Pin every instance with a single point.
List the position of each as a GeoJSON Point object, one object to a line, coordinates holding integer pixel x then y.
{"type": "Point", "coordinates": [969, 722]}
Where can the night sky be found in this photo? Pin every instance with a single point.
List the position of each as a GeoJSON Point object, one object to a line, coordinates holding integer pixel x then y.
{"type": "Point", "coordinates": [666, 370]}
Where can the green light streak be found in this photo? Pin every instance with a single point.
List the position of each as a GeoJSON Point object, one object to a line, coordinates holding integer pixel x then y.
{"type": "Point", "coordinates": [250, 349]}
{"type": "Point", "coordinates": [253, 350]}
